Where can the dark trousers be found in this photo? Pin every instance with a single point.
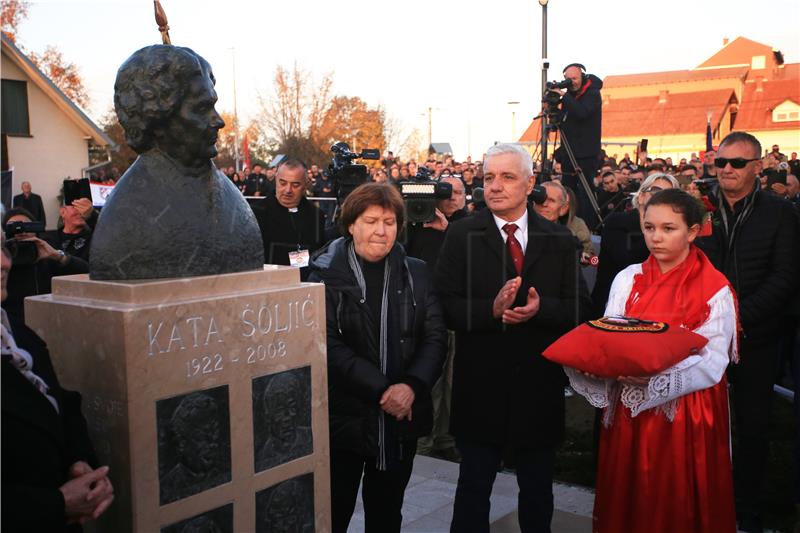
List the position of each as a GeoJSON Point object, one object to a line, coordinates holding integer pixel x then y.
{"type": "Point", "coordinates": [569, 179]}
{"type": "Point", "coordinates": [752, 380]}
{"type": "Point", "coordinates": [479, 464]}
{"type": "Point", "coordinates": [382, 492]}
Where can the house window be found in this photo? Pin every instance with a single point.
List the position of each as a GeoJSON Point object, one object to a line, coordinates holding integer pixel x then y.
{"type": "Point", "coordinates": [15, 108]}
{"type": "Point", "coordinates": [788, 111]}
{"type": "Point", "coordinates": [758, 63]}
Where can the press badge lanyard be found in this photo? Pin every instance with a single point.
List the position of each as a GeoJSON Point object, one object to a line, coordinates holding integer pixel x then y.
{"type": "Point", "coordinates": [300, 257]}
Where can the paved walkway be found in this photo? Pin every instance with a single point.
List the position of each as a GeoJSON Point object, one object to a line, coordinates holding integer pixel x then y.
{"type": "Point", "coordinates": [428, 505]}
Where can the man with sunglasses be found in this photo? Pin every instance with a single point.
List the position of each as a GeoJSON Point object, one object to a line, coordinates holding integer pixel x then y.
{"type": "Point", "coordinates": [755, 242]}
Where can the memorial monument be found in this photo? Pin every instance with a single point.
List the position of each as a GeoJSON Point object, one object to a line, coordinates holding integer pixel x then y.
{"type": "Point", "coordinates": [203, 371]}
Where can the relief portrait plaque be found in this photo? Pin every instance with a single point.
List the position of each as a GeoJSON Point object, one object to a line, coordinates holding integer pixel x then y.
{"type": "Point", "coordinates": [194, 443]}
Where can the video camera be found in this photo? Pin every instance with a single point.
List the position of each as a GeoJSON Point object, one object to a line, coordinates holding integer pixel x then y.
{"type": "Point", "coordinates": [421, 194]}
{"type": "Point", "coordinates": [22, 252]}
{"type": "Point", "coordinates": [346, 175]}
{"type": "Point", "coordinates": [551, 99]}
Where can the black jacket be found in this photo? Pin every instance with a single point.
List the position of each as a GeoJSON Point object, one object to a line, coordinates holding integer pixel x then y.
{"type": "Point", "coordinates": [582, 119]}
{"type": "Point", "coordinates": [622, 245]}
{"type": "Point", "coordinates": [31, 280]}
{"type": "Point", "coordinates": [283, 232]}
{"type": "Point", "coordinates": [504, 391]}
{"type": "Point", "coordinates": [762, 264]}
{"type": "Point", "coordinates": [39, 444]}
{"type": "Point", "coordinates": [426, 243]}
{"type": "Point", "coordinates": [33, 204]}
{"type": "Point", "coordinates": [417, 337]}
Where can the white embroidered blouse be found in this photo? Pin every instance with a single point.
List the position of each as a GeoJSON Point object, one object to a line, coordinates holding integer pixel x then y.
{"type": "Point", "coordinates": [696, 372]}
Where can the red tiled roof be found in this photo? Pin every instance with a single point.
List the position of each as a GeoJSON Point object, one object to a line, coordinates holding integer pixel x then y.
{"type": "Point", "coordinates": [672, 76]}
{"type": "Point", "coordinates": [755, 111]}
{"type": "Point", "coordinates": [739, 51]}
{"type": "Point", "coordinates": [681, 113]}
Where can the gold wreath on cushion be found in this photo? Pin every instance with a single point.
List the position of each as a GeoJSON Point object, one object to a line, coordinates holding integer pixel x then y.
{"type": "Point", "coordinates": [628, 325]}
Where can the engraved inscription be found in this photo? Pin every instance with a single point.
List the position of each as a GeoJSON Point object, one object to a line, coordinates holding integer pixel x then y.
{"type": "Point", "coordinates": [194, 443]}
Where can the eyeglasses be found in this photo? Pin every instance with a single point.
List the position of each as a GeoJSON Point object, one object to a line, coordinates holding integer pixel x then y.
{"type": "Point", "coordinates": [653, 188]}
{"type": "Point", "coordinates": [738, 162]}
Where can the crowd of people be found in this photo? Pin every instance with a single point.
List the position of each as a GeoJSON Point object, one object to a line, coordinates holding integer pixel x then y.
{"type": "Point", "coordinates": [436, 329]}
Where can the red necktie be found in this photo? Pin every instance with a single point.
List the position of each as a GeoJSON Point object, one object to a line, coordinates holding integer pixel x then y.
{"type": "Point", "coordinates": [514, 247]}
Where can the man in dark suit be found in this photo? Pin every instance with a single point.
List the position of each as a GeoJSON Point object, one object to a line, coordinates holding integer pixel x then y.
{"type": "Point", "coordinates": [292, 228]}
{"type": "Point", "coordinates": [510, 285]}
{"type": "Point", "coordinates": [31, 202]}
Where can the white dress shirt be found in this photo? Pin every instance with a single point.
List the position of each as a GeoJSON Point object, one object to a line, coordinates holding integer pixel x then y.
{"type": "Point", "coordinates": [522, 229]}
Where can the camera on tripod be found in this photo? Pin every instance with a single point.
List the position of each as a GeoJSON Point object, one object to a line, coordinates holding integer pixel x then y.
{"type": "Point", "coordinates": [551, 99]}
{"type": "Point", "coordinates": [421, 194]}
{"type": "Point", "coordinates": [345, 174]}
{"type": "Point", "coordinates": [22, 252]}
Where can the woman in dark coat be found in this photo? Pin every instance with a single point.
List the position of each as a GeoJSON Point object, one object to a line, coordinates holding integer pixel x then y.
{"type": "Point", "coordinates": [386, 347]}
{"type": "Point", "coordinates": [47, 481]}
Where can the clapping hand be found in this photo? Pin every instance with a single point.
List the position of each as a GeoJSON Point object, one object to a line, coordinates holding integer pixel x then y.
{"type": "Point", "coordinates": [518, 315]}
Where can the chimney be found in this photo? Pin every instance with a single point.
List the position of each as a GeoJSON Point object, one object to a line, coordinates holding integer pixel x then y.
{"type": "Point", "coordinates": [662, 97]}
{"type": "Point", "coordinates": [725, 41]}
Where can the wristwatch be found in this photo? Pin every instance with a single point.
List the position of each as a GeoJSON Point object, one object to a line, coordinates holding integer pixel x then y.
{"type": "Point", "coordinates": [62, 257]}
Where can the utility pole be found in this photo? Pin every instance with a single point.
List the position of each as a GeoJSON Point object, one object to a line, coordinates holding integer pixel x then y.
{"type": "Point", "coordinates": [513, 120]}
{"type": "Point", "coordinates": [430, 127]}
{"type": "Point", "coordinates": [545, 65]}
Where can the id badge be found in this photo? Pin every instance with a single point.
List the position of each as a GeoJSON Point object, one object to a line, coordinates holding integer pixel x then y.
{"type": "Point", "coordinates": [299, 258]}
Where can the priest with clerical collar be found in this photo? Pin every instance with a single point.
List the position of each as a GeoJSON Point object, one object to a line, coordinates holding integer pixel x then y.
{"type": "Point", "coordinates": [292, 228]}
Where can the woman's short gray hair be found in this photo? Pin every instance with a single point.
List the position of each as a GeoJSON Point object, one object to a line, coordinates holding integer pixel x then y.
{"type": "Point", "coordinates": [510, 148]}
{"type": "Point", "coordinates": [648, 182]}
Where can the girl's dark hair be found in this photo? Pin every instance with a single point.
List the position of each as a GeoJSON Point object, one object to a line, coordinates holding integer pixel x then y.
{"type": "Point", "coordinates": [681, 202]}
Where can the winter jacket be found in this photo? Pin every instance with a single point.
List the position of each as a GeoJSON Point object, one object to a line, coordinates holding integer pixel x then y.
{"type": "Point", "coordinates": [417, 336]}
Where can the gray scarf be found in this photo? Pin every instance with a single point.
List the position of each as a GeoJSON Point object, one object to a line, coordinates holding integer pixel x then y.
{"type": "Point", "coordinates": [355, 266]}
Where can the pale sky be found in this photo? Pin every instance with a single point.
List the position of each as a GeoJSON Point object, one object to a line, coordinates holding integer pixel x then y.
{"type": "Point", "coordinates": [464, 59]}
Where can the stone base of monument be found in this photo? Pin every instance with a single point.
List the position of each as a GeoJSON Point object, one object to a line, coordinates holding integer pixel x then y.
{"type": "Point", "coordinates": [207, 396]}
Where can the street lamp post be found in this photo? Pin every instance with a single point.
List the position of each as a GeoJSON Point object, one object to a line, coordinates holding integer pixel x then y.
{"type": "Point", "coordinates": [236, 157]}
{"type": "Point", "coordinates": [513, 120]}
{"type": "Point", "coordinates": [545, 65]}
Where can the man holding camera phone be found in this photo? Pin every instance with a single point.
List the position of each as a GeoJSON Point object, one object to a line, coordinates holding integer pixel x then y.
{"type": "Point", "coordinates": [581, 119]}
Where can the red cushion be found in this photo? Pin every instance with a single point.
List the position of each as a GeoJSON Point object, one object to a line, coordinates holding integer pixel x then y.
{"type": "Point", "coordinates": [611, 348]}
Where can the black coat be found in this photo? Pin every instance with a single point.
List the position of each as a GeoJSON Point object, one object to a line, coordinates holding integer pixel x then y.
{"type": "Point", "coordinates": [504, 391]}
{"type": "Point", "coordinates": [39, 444]}
{"type": "Point", "coordinates": [762, 265]}
{"type": "Point", "coordinates": [283, 232]}
{"type": "Point", "coordinates": [582, 114]}
{"type": "Point", "coordinates": [33, 204]}
{"type": "Point", "coordinates": [426, 243]}
{"type": "Point", "coordinates": [622, 245]}
{"type": "Point", "coordinates": [355, 381]}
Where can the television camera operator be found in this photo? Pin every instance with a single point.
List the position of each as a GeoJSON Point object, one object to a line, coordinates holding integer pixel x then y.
{"type": "Point", "coordinates": [580, 122]}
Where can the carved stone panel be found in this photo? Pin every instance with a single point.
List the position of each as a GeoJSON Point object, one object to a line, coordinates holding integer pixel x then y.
{"type": "Point", "coordinates": [282, 417]}
{"type": "Point", "coordinates": [287, 507]}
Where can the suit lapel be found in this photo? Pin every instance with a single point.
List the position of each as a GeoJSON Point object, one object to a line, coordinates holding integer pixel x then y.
{"type": "Point", "coordinates": [536, 241]}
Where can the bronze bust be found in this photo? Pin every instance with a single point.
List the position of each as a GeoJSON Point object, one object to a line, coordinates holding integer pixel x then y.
{"type": "Point", "coordinates": [172, 214]}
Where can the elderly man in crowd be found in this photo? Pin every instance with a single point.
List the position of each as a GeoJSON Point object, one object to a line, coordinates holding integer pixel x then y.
{"type": "Point", "coordinates": [31, 202]}
{"type": "Point", "coordinates": [559, 208]}
{"type": "Point", "coordinates": [756, 244]}
{"type": "Point", "coordinates": [507, 279]}
{"type": "Point", "coordinates": [292, 228]}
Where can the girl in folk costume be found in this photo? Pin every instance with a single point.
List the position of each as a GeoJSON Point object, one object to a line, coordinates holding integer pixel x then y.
{"type": "Point", "coordinates": [664, 461]}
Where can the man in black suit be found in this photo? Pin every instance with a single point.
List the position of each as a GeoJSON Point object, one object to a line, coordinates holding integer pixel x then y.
{"type": "Point", "coordinates": [510, 285]}
{"type": "Point", "coordinates": [31, 202]}
{"type": "Point", "coordinates": [292, 228]}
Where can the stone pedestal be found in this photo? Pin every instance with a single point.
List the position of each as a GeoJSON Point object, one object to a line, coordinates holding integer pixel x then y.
{"type": "Point", "coordinates": [207, 396]}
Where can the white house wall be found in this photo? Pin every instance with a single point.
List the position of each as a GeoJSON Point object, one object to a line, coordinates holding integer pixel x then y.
{"type": "Point", "coordinates": [56, 149]}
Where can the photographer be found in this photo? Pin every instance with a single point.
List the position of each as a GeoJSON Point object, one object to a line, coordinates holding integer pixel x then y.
{"type": "Point", "coordinates": [36, 262]}
{"type": "Point", "coordinates": [580, 118]}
